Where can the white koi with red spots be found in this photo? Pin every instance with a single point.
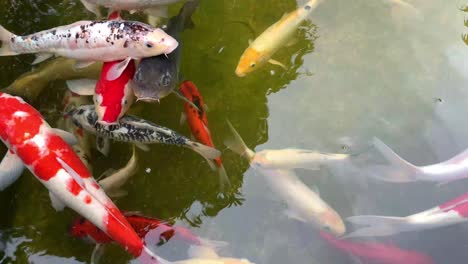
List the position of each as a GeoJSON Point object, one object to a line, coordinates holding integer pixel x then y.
{"type": "Point", "coordinates": [452, 212]}
{"type": "Point", "coordinates": [53, 162]}
{"type": "Point", "coordinates": [89, 41]}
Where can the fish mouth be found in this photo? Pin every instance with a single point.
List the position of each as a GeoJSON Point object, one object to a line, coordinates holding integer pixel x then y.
{"type": "Point", "coordinates": [148, 99]}
{"type": "Point", "coordinates": [239, 73]}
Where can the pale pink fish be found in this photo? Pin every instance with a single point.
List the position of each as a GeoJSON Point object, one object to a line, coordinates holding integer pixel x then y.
{"type": "Point", "coordinates": [375, 252]}
{"type": "Point", "coordinates": [90, 41]}
{"type": "Point", "coordinates": [402, 171]}
{"type": "Point", "coordinates": [452, 212]}
{"type": "Point", "coordinates": [33, 144]}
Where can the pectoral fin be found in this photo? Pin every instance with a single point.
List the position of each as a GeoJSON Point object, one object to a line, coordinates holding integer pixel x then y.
{"type": "Point", "coordinates": [116, 70]}
{"type": "Point", "coordinates": [275, 62]}
{"type": "Point", "coordinates": [183, 118]}
{"type": "Point", "coordinates": [159, 11]}
{"type": "Point", "coordinates": [92, 8]}
{"type": "Point", "coordinates": [82, 86]}
{"type": "Point", "coordinates": [66, 136]}
{"type": "Point", "coordinates": [291, 214]}
{"type": "Point", "coordinates": [83, 64]}
{"type": "Point", "coordinates": [142, 146]}
{"type": "Point", "coordinates": [40, 57]}
{"type": "Point", "coordinates": [57, 204]}
{"type": "Point", "coordinates": [11, 168]}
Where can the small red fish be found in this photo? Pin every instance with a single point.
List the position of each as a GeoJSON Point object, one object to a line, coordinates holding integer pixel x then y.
{"type": "Point", "coordinates": [374, 252]}
{"type": "Point", "coordinates": [82, 228]}
{"type": "Point", "coordinates": [198, 123]}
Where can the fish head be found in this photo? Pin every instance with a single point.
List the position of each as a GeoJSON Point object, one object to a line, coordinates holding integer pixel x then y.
{"type": "Point", "coordinates": [155, 43]}
{"type": "Point", "coordinates": [250, 61]}
{"type": "Point", "coordinates": [84, 117]}
{"type": "Point", "coordinates": [154, 79]}
{"type": "Point", "coordinates": [330, 221]}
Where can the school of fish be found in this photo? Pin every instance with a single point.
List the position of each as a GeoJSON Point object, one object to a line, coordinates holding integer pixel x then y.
{"type": "Point", "coordinates": [118, 63]}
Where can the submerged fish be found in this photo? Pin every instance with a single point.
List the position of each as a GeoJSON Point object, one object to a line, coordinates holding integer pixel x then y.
{"type": "Point", "coordinates": [156, 77]}
{"type": "Point", "coordinates": [402, 171]}
{"type": "Point", "coordinates": [31, 84]}
{"type": "Point", "coordinates": [375, 252]}
{"type": "Point", "coordinates": [138, 131]}
{"type": "Point", "coordinates": [33, 144]}
{"type": "Point", "coordinates": [151, 7]}
{"type": "Point", "coordinates": [303, 204]}
{"type": "Point", "coordinates": [206, 255]}
{"type": "Point", "coordinates": [82, 147]}
{"type": "Point", "coordinates": [452, 212]}
{"type": "Point", "coordinates": [198, 123]}
{"type": "Point", "coordinates": [90, 41]}
{"type": "Point", "coordinates": [273, 39]}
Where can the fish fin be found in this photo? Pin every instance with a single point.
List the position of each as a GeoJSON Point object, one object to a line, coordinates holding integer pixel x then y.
{"type": "Point", "coordinates": [212, 164]}
{"type": "Point", "coordinates": [157, 11]}
{"type": "Point", "coordinates": [293, 215]}
{"type": "Point", "coordinates": [185, 99]}
{"type": "Point", "coordinates": [378, 225]}
{"type": "Point", "coordinates": [103, 145]}
{"type": "Point", "coordinates": [117, 193]}
{"type": "Point", "coordinates": [275, 62]}
{"type": "Point", "coordinates": [404, 171]}
{"type": "Point", "coordinates": [237, 144]}
{"type": "Point", "coordinates": [11, 168]}
{"type": "Point", "coordinates": [83, 64]}
{"type": "Point", "coordinates": [5, 38]}
{"type": "Point", "coordinates": [105, 174]}
{"type": "Point", "coordinates": [147, 256]}
{"type": "Point", "coordinates": [223, 178]}
{"type": "Point", "coordinates": [154, 21]}
{"type": "Point", "coordinates": [116, 70]}
{"type": "Point", "coordinates": [205, 108]}
{"type": "Point", "coordinates": [202, 252]}
{"type": "Point", "coordinates": [142, 146]}
{"type": "Point", "coordinates": [205, 151]}
{"type": "Point", "coordinates": [183, 118]}
{"type": "Point", "coordinates": [40, 57]}
{"type": "Point", "coordinates": [92, 8]}
{"type": "Point", "coordinates": [66, 136]}
{"type": "Point", "coordinates": [57, 204]}
{"type": "Point", "coordinates": [97, 253]}
{"type": "Point", "coordinates": [292, 42]}
{"type": "Point", "coordinates": [82, 86]}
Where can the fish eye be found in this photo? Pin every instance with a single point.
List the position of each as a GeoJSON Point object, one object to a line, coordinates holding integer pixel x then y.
{"type": "Point", "coordinates": [125, 102]}
{"type": "Point", "coordinates": [252, 65]}
{"type": "Point", "coordinates": [149, 44]}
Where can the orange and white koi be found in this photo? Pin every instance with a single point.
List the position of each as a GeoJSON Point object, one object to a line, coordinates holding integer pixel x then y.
{"type": "Point", "coordinates": [273, 39]}
{"type": "Point", "coordinates": [33, 144]}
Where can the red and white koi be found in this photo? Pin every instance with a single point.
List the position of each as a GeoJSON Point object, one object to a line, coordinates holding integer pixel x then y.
{"type": "Point", "coordinates": [400, 170]}
{"type": "Point", "coordinates": [32, 143]}
{"type": "Point", "coordinates": [90, 41]}
{"type": "Point", "coordinates": [452, 212]}
{"type": "Point", "coordinates": [375, 252]}
{"type": "Point", "coordinates": [198, 123]}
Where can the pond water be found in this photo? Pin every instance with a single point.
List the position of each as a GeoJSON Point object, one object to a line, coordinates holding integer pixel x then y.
{"type": "Point", "coordinates": [360, 69]}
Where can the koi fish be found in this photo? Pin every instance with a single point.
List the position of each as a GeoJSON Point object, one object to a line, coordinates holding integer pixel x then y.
{"type": "Point", "coordinates": [303, 204]}
{"type": "Point", "coordinates": [453, 169]}
{"type": "Point", "coordinates": [157, 8]}
{"type": "Point", "coordinates": [33, 144]}
{"type": "Point", "coordinates": [82, 148]}
{"type": "Point", "coordinates": [272, 39]}
{"type": "Point", "coordinates": [90, 41]}
{"type": "Point", "coordinates": [31, 84]}
{"type": "Point", "coordinates": [137, 131]}
{"type": "Point", "coordinates": [374, 252]}
{"type": "Point", "coordinates": [452, 212]}
{"type": "Point", "coordinates": [115, 180]}
{"type": "Point", "coordinates": [198, 123]}
{"type": "Point", "coordinates": [156, 77]}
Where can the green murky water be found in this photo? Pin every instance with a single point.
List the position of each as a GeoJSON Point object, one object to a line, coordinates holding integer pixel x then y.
{"type": "Point", "coordinates": [359, 69]}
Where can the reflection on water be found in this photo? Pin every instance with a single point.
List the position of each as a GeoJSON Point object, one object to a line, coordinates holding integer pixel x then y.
{"type": "Point", "coordinates": [359, 69]}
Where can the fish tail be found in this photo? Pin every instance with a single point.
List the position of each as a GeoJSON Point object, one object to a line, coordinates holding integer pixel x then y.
{"type": "Point", "coordinates": [223, 178]}
{"type": "Point", "coordinates": [5, 39]}
{"type": "Point", "coordinates": [401, 171]}
{"type": "Point", "coordinates": [378, 225]}
{"type": "Point", "coordinates": [208, 153]}
{"type": "Point", "coordinates": [237, 144]}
